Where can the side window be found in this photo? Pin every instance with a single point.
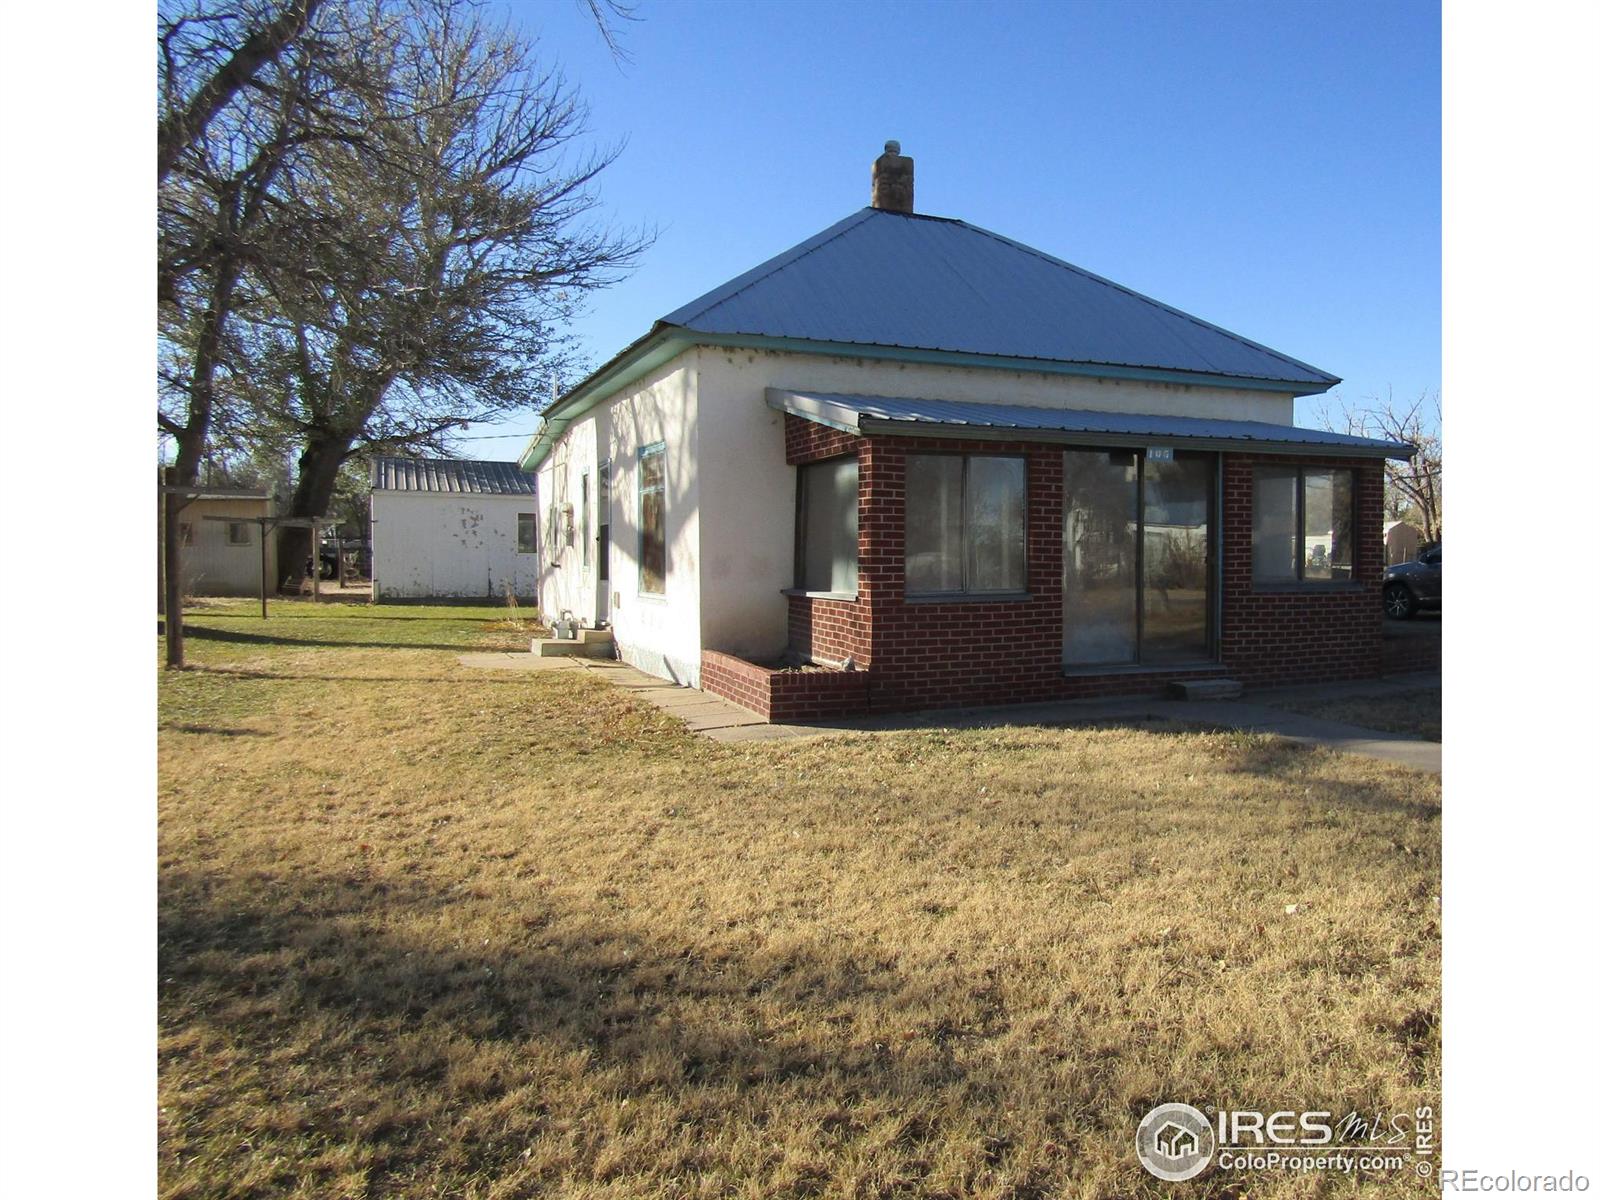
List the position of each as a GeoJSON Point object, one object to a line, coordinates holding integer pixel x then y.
{"type": "Point", "coordinates": [653, 519]}
{"type": "Point", "coordinates": [826, 526]}
{"type": "Point", "coordinates": [1303, 525]}
{"type": "Point", "coordinates": [527, 533]}
{"type": "Point", "coordinates": [583, 515]}
{"type": "Point", "coordinates": [238, 533]}
{"type": "Point", "coordinates": [966, 524]}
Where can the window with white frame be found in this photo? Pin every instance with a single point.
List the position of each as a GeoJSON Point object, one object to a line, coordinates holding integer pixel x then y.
{"type": "Point", "coordinates": [826, 526]}
{"type": "Point", "coordinates": [1303, 525]}
{"type": "Point", "coordinates": [653, 519]}
{"type": "Point", "coordinates": [966, 524]}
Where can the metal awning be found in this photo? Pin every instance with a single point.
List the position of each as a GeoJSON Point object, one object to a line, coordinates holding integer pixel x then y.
{"type": "Point", "coordinates": [870, 415]}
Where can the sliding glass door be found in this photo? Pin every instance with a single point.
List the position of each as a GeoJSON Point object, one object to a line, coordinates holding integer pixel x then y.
{"type": "Point", "coordinates": [1136, 558]}
{"type": "Point", "coordinates": [1101, 558]}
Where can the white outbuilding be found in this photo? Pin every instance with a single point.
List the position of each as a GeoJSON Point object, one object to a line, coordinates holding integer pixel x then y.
{"type": "Point", "coordinates": [453, 529]}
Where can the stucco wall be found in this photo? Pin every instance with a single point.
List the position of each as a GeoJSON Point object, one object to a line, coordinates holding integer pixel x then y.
{"type": "Point", "coordinates": [748, 487]}
{"type": "Point", "coordinates": [656, 633]}
{"type": "Point", "coordinates": [449, 546]}
{"type": "Point", "coordinates": [565, 583]}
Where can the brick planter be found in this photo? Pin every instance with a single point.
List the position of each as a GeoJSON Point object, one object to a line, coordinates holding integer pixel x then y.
{"type": "Point", "coordinates": [784, 694]}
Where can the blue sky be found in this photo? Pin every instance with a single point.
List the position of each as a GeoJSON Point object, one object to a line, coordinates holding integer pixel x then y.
{"type": "Point", "coordinates": [1270, 167]}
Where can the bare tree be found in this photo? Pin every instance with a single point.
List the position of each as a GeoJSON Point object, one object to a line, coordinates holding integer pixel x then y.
{"type": "Point", "coordinates": [426, 272]}
{"type": "Point", "coordinates": [1414, 487]}
{"type": "Point", "coordinates": [375, 239]}
{"type": "Point", "coordinates": [207, 55]}
{"type": "Point", "coordinates": [219, 201]}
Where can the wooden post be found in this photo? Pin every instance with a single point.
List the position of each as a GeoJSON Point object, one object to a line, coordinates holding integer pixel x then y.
{"type": "Point", "coordinates": [172, 567]}
{"type": "Point", "coordinates": [316, 564]}
{"type": "Point", "coordinates": [262, 526]}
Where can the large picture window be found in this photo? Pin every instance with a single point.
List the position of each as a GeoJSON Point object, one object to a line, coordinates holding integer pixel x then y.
{"type": "Point", "coordinates": [966, 524]}
{"type": "Point", "coordinates": [826, 527]}
{"type": "Point", "coordinates": [653, 519]}
{"type": "Point", "coordinates": [1303, 527]}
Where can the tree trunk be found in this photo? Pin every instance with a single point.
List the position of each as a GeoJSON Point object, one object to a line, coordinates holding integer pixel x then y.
{"type": "Point", "coordinates": [202, 380]}
{"type": "Point", "coordinates": [313, 492]}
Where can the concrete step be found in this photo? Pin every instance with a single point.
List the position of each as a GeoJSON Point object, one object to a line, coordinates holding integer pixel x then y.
{"type": "Point", "coordinates": [579, 647]}
{"type": "Point", "coordinates": [595, 637]}
{"type": "Point", "coordinates": [1206, 689]}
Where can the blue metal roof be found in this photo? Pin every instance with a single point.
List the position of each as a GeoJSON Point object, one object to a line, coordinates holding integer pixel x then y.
{"type": "Point", "coordinates": [450, 475]}
{"type": "Point", "coordinates": [932, 283]}
{"type": "Point", "coordinates": [969, 419]}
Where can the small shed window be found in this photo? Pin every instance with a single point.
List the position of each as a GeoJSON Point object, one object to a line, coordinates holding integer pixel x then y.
{"type": "Point", "coordinates": [966, 524]}
{"type": "Point", "coordinates": [1303, 527]}
{"type": "Point", "coordinates": [653, 519]}
{"type": "Point", "coordinates": [826, 526]}
{"type": "Point", "coordinates": [238, 533]}
{"type": "Point", "coordinates": [527, 533]}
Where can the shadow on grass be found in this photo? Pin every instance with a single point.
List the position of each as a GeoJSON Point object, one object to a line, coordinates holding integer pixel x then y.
{"type": "Point", "coordinates": [508, 680]}
{"type": "Point", "coordinates": [206, 634]}
{"type": "Point", "coordinates": [315, 614]}
{"type": "Point", "coordinates": [212, 730]}
{"type": "Point", "coordinates": [317, 957]}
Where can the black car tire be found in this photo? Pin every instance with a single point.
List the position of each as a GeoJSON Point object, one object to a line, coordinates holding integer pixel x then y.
{"type": "Point", "coordinates": [1398, 602]}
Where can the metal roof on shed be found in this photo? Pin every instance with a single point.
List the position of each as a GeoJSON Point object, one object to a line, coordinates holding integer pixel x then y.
{"type": "Point", "coordinates": [946, 418]}
{"type": "Point", "coordinates": [939, 284]}
{"type": "Point", "coordinates": [450, 475]}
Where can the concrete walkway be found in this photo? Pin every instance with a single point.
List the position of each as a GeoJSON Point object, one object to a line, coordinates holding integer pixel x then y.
{"type": "Point", "coordinates": [725, 722]}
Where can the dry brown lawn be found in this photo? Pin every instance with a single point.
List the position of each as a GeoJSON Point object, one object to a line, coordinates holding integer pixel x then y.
{"type": "Point", "coordinates": [426, 931]}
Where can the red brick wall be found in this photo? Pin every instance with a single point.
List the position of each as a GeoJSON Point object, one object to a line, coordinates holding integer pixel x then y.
{"type": "Point", "coordinates": [1277, 635]}
{"type": "Point", "coordinates": [925, 655]}
{"type": "Point", "coordinates": [1404, 654]}
{"type": "Point", "coordinates": [829, 630]}
{"type": "Point", "coordinates": [826, 630]}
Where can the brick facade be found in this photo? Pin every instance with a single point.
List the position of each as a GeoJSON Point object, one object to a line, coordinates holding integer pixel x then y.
{"type": "Point", "coordinates": [1277, 635]}
{"type": "Point", "coordinates": [936, 654]}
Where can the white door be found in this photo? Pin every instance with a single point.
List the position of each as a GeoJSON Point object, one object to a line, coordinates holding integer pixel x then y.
{"type": "Point", "coordinates": [602, 547]}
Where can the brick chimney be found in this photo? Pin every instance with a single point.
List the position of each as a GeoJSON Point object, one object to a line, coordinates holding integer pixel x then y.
{"type": "Point", "coordinates": [892, 183]}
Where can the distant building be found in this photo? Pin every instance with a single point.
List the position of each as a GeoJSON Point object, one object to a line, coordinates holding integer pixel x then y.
{"type": "Point", "coordinates": [223, 557]}
{"type": "Point", "coordinates": [453, 529]}
{"type": "Point", "coordinates": [1401, 541]}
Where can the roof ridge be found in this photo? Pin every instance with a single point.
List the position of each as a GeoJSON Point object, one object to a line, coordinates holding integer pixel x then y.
{"type": "Point", "coordinates": [1137, 295]}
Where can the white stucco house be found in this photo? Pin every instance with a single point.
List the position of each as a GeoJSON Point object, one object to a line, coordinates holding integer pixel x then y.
{"type": "Point", "coordinates": [453, 529]}
{"type": "Point", "coordinates": [938, 466]}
